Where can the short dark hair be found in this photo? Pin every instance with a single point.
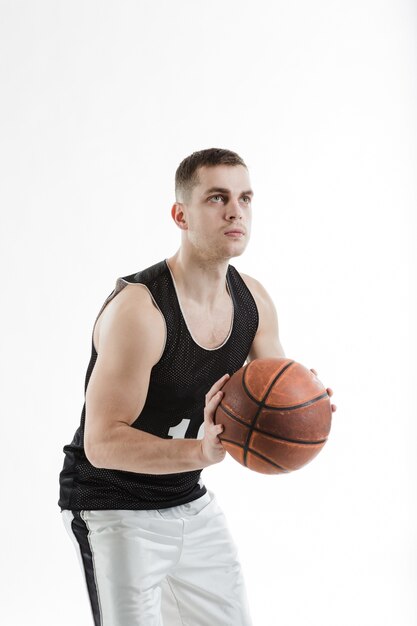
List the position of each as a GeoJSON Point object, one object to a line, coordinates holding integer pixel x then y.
{"type": "Point", "coordinates": [186, 176]}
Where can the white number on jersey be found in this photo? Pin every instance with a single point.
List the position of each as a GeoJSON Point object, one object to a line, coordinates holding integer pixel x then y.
{"type": "Point", "coordinates": [178, 431]}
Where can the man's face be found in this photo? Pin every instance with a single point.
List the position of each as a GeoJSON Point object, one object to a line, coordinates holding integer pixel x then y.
{"type": "Point", "coordinates": [218, 214]}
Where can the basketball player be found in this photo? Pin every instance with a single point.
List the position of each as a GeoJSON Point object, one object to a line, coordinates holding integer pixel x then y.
{"type": "Point", "coordinates": [152, 541]}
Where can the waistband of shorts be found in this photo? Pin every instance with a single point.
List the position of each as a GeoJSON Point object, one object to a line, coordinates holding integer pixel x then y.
{"type": "Point", "coordinates": [189, 508]}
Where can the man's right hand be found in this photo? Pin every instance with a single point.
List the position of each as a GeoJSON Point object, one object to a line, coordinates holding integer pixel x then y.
{"type": "Point", "coordinates": [212, 449]}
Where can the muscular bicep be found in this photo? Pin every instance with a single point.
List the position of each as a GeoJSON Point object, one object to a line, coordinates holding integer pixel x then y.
{"type": "Point", "coordinates": [132, 334]}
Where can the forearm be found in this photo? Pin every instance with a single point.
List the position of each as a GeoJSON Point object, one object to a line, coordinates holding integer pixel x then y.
{"type": "Point", "coordinates": [132, 450]}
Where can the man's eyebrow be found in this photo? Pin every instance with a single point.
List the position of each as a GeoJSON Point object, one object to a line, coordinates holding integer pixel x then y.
{"type": "Point", "coordinates": [224, 190]}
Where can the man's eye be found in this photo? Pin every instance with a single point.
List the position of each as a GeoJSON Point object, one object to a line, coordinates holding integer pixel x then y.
{"type": "Point", "coordinates": [218, 196]}
{"type": "Point", "coordinates": [247, 198]}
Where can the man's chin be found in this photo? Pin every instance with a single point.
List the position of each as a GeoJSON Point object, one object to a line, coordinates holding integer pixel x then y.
{"type": "Point", "coordinates": [223, 253]}
{"type": "Point", "coordinates": [238, 247]}
{"type": "Point", "coordinates": [234, 251]}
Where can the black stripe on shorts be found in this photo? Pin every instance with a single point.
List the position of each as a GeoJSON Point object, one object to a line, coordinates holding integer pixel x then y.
{"type": "Point", "coordinates": [80, 530]}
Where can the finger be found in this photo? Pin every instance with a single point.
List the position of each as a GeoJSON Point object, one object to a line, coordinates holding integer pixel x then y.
{"type": "Point", "coordinates": [219, 383]}
{"type": "Point", "coordinates": [219, 429]}
{"type": "Point", "coordinates": [211, 407]}
{"type": "Point", "coordinates": [216, 433]}
{"type": "Point", "coordinates": [334, 407]}
{"type": "Point", "coordinates": [314, 371]}
{"type": "Point", "coordinates": [213, 430]}
{"type": "Point", "coordinates": [329, 391]}
{"type": "Point", "coordinates": [216, 387]}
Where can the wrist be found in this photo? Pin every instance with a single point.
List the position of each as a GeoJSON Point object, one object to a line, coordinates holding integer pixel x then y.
{"type": "Point", "coordinates": [203, 460]}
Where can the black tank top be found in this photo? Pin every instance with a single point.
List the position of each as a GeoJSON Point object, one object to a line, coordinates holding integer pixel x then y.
{"type": "Point", "coordinates": [174, 405]}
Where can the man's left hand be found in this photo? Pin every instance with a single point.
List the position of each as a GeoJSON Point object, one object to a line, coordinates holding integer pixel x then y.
{"type": "Point", "coordinates": [329, 391]}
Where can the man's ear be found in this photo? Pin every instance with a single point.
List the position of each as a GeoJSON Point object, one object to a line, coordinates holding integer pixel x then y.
{"type": "Point", "coordinates": [178, 215]}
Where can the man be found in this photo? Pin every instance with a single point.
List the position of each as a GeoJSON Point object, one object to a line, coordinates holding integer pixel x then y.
{"type": "Point", "coordinates": [152, 541]}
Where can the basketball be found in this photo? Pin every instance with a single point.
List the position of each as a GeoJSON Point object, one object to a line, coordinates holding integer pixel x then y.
{"type": "Point", "coordinates": [276, 415]}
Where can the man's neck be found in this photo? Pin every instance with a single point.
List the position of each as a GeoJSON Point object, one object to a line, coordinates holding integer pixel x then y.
{"type": "Point", "coordinates": [197, 279]}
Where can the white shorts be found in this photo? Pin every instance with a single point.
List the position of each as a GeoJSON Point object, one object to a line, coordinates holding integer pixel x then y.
{"type": "Point", "coordinates": [164, 567]}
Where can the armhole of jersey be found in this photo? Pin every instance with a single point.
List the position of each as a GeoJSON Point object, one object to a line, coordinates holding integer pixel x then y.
{"type": "Point", "coordinates": [118, 288]}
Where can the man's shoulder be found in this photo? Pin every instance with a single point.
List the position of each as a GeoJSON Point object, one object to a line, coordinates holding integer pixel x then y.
{"type": "Point", "coordinates": [135, 289]}
{"type": "Point", "coordinates": [252, 283]}
{"type": "Point", "coordinates": [262, 298]}
{"type": "Point", "coordinates": [133, 313]}
{"type": "Point", "coordinates": [129, 297]}
{"type": "Point", "coordinates": [148, 274]}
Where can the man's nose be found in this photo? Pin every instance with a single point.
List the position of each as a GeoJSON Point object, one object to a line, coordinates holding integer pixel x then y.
{"type": "Point", "coordinates": [234, 210]}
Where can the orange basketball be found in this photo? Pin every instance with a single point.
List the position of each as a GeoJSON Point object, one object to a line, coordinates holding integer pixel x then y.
{"type": "Point", "coordinates": [276, 415]}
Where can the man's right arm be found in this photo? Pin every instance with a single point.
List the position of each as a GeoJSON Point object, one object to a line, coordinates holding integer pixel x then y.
{"type": "Point", "coordinates": [132, 337]}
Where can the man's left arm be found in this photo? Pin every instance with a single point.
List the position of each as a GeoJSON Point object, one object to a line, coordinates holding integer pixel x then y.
{"type": "Point", "coordinates": [266, 343]}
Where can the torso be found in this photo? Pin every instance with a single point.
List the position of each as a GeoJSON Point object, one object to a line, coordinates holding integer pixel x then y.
{"type": "Point", "coordinates": [183, 374]}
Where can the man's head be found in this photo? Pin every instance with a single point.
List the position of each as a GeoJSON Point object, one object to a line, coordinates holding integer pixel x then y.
{"type": "Point", "coordinates": [186, 176]}
{"type": "Point", "coordinates": [213, 204]}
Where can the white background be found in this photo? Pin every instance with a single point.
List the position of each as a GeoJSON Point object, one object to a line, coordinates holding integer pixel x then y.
{"type": "Point", "coordinates": [100, 101]}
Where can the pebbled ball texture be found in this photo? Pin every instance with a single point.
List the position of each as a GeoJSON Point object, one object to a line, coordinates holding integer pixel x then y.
{"type": "Point", "coordinates": [276, 415]}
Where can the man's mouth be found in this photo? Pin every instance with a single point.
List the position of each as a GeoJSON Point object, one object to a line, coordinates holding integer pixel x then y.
{"type": "Point", "coordinates": [235, 232]}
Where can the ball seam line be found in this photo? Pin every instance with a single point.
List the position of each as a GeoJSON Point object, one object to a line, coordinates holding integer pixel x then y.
{"type": "Point", "coordinates": [265, 432]}
{"type": "Point", "coordinates": [297, 406]}
{"type": "Point", "coordinates": [258, 454]}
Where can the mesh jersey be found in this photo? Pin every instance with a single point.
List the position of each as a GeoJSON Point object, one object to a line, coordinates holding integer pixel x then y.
{"type": "Point", "coordinates": [174, 404]}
